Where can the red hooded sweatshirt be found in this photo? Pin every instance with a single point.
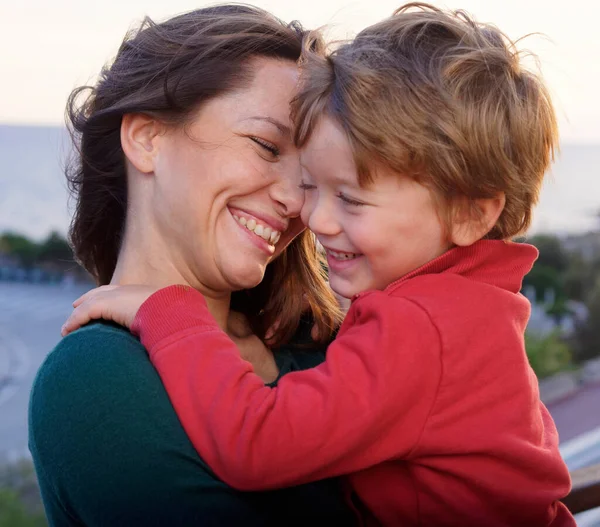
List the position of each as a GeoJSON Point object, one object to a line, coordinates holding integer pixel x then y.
{"type": "Point", "coordinates": [426, 400]}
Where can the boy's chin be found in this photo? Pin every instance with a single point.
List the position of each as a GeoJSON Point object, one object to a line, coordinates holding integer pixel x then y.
{"type": "Point", "coordinates": [343, 291]}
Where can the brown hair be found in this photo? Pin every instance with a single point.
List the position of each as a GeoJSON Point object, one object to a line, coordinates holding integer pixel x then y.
{"type": "Point", "coordinates": [167, 70]}
{"type": "Point", "coordinates": [440, 98]}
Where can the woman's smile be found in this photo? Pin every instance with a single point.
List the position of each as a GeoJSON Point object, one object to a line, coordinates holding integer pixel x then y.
{"type": "Point", "coordinates": [259, 233]}
{"type": "Point", "coordinates": [269, 229]}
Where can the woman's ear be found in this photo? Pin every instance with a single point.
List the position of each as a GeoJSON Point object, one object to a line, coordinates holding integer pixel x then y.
{"type": "Point", "coordinates": [139, 135]}
{"type": "Point", "coordinates": [473, 220]}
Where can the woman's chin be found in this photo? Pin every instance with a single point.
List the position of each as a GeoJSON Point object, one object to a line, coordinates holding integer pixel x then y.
{"type": "Point", "coordinates": [246, 280]}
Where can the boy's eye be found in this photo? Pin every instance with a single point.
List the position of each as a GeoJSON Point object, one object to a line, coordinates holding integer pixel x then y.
{"type": "Point", "coordinates": [349, 200]}
{"type": "Point", "coordinates": [307, 186]}
{"type": "Point", "coordinates": [269, 147]}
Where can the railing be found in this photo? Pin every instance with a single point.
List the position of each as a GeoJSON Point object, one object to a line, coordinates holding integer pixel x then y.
{"type": "Point", "coordinates": [585, 494]}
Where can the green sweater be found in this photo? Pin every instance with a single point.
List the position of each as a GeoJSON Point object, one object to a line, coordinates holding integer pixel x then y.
{"type": "Point", "coordinates": [109, 450]}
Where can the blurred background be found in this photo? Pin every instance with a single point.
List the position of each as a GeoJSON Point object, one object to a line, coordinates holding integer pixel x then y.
{"type": "Point", "coordinates": [49, 48]}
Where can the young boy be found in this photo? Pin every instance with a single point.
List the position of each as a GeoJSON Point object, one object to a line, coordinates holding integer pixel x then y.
{"type": "Point", "coordinates": [425, 145]}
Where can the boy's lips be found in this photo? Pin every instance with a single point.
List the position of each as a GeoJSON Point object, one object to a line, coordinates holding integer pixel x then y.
{"type": "Point", "coordinates": [340, 254]}
{"type": "Point", "coordinates": [339, 261]}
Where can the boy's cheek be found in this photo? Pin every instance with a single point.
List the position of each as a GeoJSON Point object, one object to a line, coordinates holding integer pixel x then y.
{"type": "Point", "coordinates": [304, 215]}
{"type": "Point", "coordinates": [306, 209]}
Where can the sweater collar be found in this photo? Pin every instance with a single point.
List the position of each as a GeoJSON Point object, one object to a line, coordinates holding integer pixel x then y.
{"type": "Point", "coordinates": [499, 263]}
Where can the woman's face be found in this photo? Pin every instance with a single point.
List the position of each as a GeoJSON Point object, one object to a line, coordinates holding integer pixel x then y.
{"type": "Point", "coordinates": [226, 198]}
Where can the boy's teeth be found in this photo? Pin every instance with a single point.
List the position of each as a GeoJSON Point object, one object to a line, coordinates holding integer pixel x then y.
{"type": "Point", "coordinates": [343, 256]}
{"type": "Point", "coordinates": [266, 233]}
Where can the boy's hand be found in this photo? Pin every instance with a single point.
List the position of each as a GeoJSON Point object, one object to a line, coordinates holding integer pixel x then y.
{"type": "Point", "coordinates": [109, 302]}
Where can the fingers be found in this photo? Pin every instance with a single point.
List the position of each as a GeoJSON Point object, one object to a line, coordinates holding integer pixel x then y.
{"type": "Point", "coordinates": [118, 304]}
{"type": "Point", "coordinates": [81, 315]}
{"type": "Point", "coordinates": [270, 333]}
{"type": "Point", "coordinates": [92, 293]}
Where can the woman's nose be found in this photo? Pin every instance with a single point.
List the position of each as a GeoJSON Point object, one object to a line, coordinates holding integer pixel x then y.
{"type": "Point", "coordinates": [288, 194]}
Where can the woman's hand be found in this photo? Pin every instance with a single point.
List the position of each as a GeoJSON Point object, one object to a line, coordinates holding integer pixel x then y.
{"type": "Point", "coordinates": [119, 304]}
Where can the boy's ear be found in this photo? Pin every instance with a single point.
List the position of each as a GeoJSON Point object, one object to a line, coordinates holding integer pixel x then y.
{"type": "Point", "coordinates": [139, 135]}
{"type": "Point", "coordinates": [473, 220]}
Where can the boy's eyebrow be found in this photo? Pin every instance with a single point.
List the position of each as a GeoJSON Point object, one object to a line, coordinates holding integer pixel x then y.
{"type": "Point", "coordinates": [347, 178]}
{"type": "Point", "coordinates": [283, 129]}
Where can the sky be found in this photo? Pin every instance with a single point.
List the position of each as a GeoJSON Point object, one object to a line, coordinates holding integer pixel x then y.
{"type": "Point", "coordinates": [49, 48]}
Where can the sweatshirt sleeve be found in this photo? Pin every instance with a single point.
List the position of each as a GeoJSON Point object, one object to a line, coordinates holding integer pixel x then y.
{"type": "Point", "coordinates": [367, 403]}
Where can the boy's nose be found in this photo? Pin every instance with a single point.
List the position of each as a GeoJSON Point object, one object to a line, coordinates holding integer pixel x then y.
{"type": "Point", "coordinates": [319, 216]}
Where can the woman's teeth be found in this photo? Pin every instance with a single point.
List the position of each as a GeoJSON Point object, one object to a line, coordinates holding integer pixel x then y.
{"type": "Point", "coordinates": [343, 256]}
{"type": "Point", "coordinates": [266, 233]}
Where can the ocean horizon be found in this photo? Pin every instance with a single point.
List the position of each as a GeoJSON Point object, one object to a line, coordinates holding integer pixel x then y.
{"type": "Point", "coordinates": [34, 199]}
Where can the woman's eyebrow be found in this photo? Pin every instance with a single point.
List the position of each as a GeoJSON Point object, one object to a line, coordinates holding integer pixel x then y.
{"type": "Point", "coordinates": [283, 129]}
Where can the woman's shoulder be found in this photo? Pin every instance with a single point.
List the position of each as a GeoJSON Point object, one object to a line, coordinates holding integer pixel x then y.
{"type": "Point", "coordinates": [91, 371]}
{"type": "Point", "coordinates": [302, 351]}
{"type": "Point", "coordinates": [95, 339]}
{"type": "Point", "coordinates": [109, 449]}
{"type": "Point", "coordinates": [92, 355]}
{"type": "Point", "coordinates": [100, 370]}
{"type": "Point", "coordinates": [99, 414]}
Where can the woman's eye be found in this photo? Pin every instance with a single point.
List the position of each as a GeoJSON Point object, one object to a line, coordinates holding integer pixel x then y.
{"type": "Point", "coordinates": [307, 186]}
{"type": "Point", "coordinates": [269, 147]}
{"type": "Point", "coordinates": [349, 200]}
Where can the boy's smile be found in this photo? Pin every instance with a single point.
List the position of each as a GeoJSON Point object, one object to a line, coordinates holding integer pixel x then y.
{"type": "Point", "coordinates": [340, 262]}
{"type": "Point", "coordinates": [373, 234]}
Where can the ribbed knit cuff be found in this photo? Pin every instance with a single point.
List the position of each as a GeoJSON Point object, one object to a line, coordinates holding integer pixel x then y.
{"type": "Point", "coordinates": [169, 311]}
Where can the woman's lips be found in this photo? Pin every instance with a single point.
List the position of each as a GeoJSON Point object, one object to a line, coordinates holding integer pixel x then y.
{"type": "Point", "coordinates": [258, 239]}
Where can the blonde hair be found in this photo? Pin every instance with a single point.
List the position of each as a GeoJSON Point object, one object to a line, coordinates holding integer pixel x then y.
{"type": "Point", "coordinates": [443, 99]}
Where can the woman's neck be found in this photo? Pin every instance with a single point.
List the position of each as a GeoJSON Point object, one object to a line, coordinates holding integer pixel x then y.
{"type": "Point", "coordinates": [146, 259]}
{"type": "Point", "coordinates": [144, 263]}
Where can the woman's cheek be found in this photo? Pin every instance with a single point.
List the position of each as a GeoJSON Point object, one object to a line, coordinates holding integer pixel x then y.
{"type": "Point", "coordinates": [295, 228]}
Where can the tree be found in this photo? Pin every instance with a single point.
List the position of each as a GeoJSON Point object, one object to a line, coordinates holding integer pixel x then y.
{"type": "Point", "coordinates": [20, 500]}
{"type": "Point", "coordinates": [548, 274]}
{"type": "Point", "coordinates": [576, 279]}
{"type": "Point", "coordinates": [579, 278]}
{"type": "Point", "coordinates": [543, 278]}
{"type": "Point", "coordinates": [55, 248]}
{"type": "Point", "coordinates": [547, 354]}
{"type": "Point", "coordinates": [587, 334]}
{"type": "Point", "coordinates": [13, 513]}
{"type": "Point", "coordinates": [552, 253]}
{"type": "Point", "coordinates": [25, 250]}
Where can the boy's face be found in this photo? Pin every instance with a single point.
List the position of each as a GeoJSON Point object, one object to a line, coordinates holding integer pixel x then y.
{"type": "Point", "coordinates": [372, 235]}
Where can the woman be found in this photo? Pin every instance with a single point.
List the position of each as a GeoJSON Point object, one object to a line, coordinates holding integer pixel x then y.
{"type": "Point", "coordinates": [186, 173]}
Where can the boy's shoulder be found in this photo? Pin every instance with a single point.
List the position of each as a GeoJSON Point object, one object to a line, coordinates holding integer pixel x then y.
{"type": "Point", "coordinates": [447, 297]}
{"type": "Point", "coordinates": [486, 269]}
{"type": "Point", "coordinates": [435, 286]}
{"type": "Point", "coordinates": [426, 286]}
